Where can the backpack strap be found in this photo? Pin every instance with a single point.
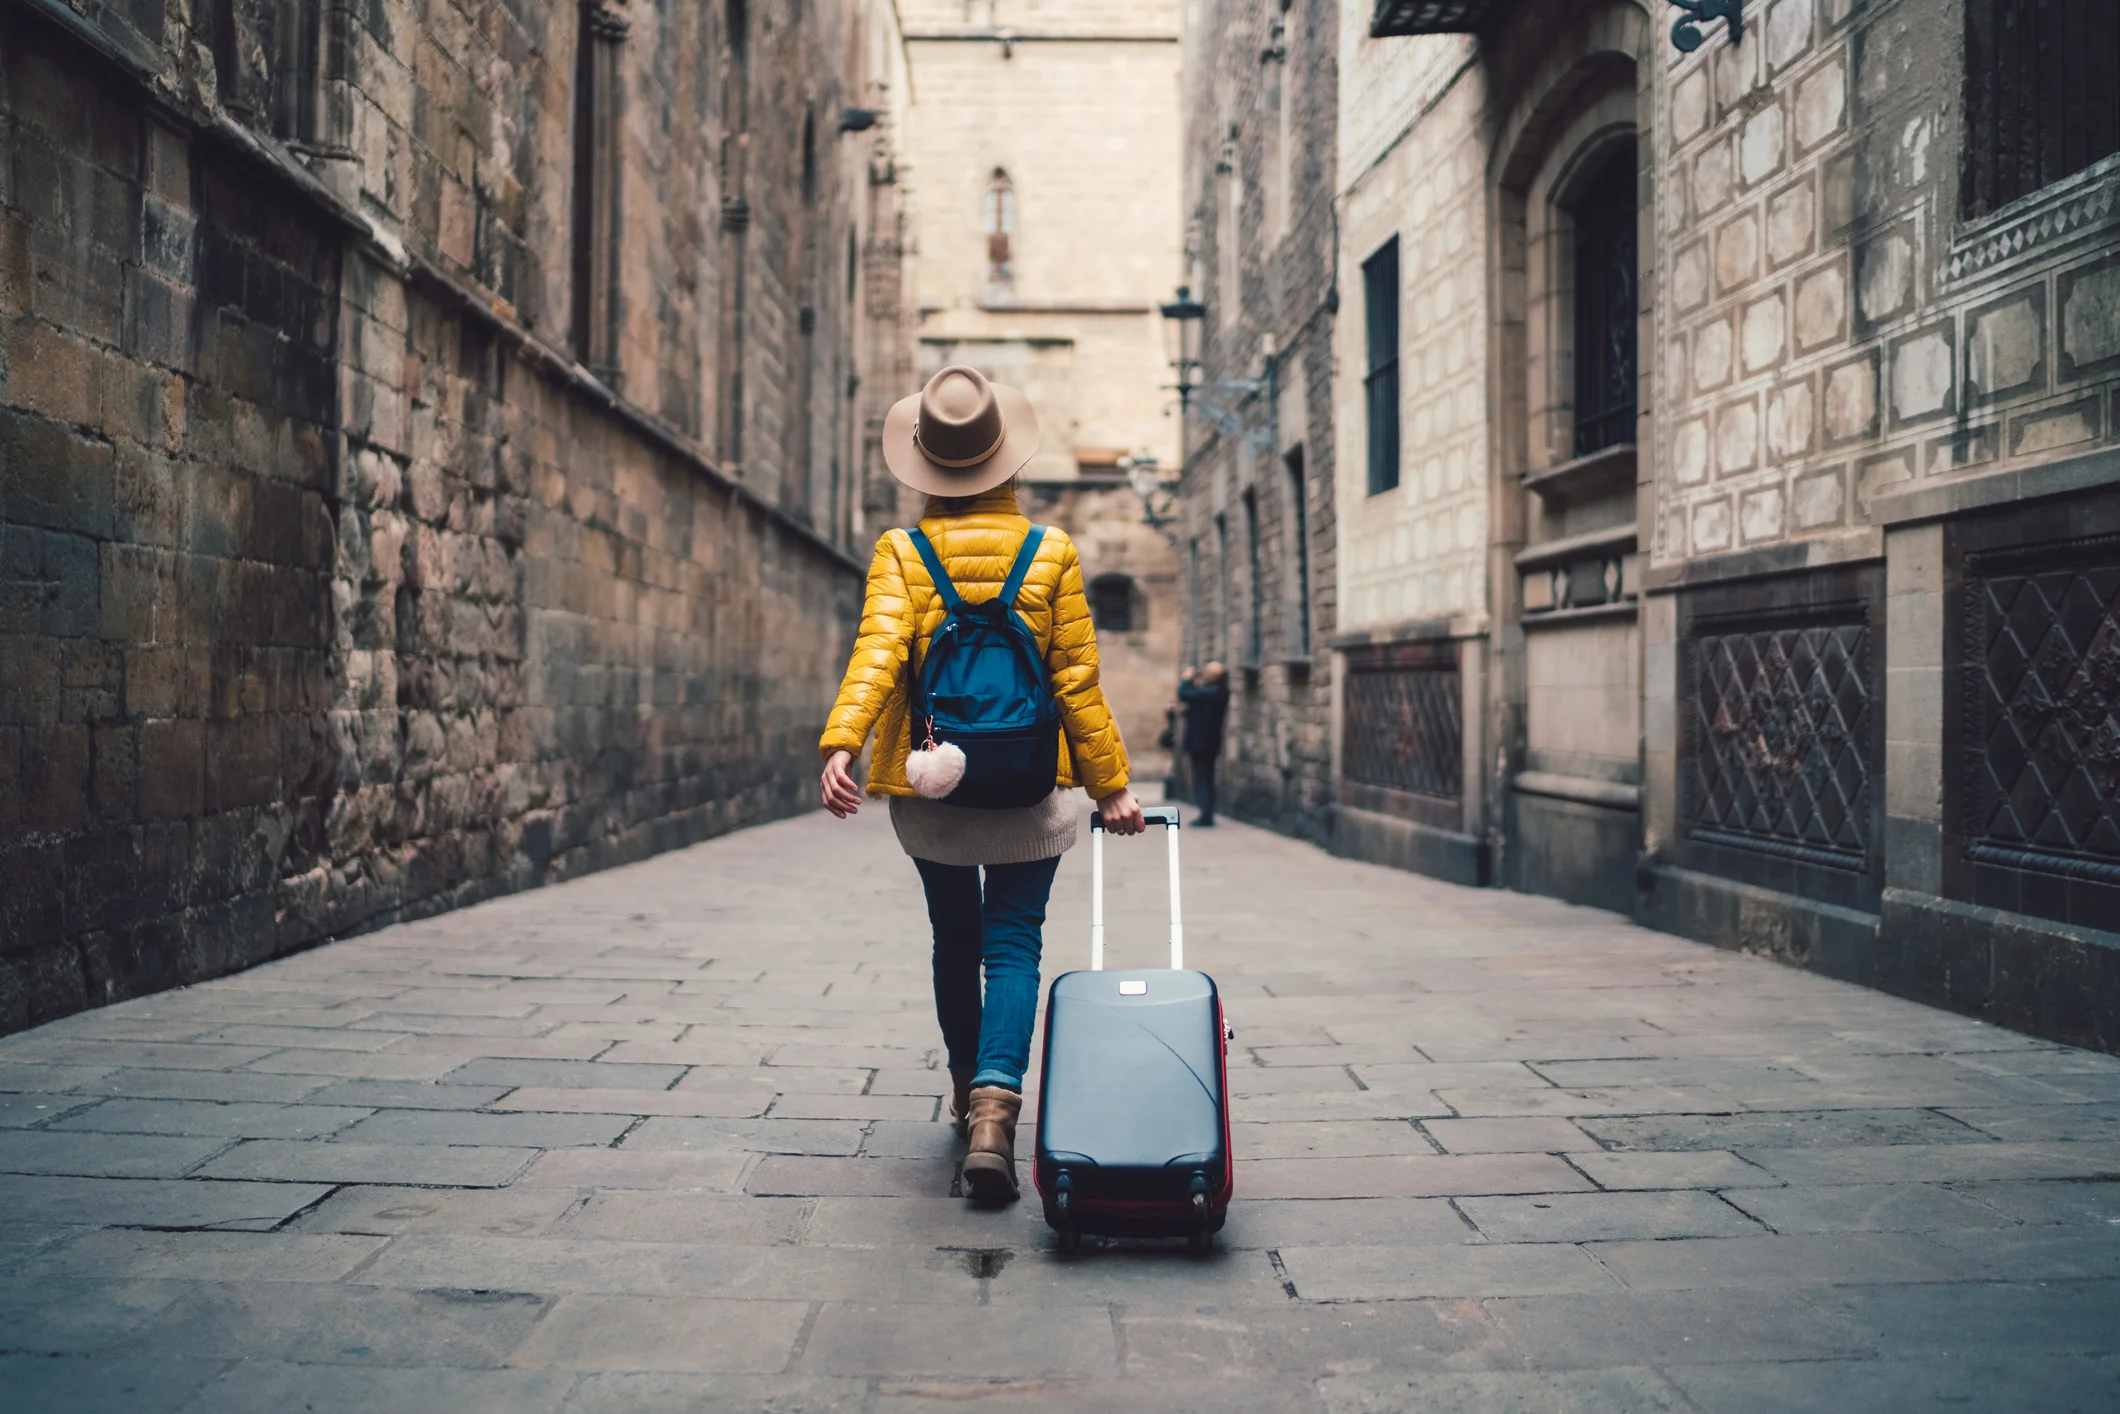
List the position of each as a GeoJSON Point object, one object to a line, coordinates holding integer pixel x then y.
{"type": "Point", "coordinates": [951, 599]}
{"type": "Point", "coordinates": [1022, 568]}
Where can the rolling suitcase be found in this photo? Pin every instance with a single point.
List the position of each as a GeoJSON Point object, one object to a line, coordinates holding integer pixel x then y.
{"type": "Point", "coordinates": [1133, 1112]}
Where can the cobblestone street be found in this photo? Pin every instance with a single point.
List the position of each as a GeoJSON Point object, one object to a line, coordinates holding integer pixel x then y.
{"type": "Point", "coordinates": [668, 1138]}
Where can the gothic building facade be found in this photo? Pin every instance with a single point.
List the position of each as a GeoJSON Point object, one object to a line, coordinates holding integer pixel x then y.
{"type": "Point", "coordinates": [1728, 529]}
{"type": "Point", "coordinates": [435, 443]}
{"type": "Point", "coordinates": [1259, 547]}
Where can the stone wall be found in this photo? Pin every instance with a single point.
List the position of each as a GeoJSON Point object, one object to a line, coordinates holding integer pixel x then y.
{"type": "Point", "coordinates": [1259, 499]}
{"type": "Point", "coordinates": [360, 559]}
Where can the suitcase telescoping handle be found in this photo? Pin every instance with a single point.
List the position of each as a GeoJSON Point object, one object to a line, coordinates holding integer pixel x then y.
{"type": "Point", "coordinates": [1167, 817]}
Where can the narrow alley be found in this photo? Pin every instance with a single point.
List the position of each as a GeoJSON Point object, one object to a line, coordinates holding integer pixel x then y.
{"type": "Point", "coordinates": [667, 1137]}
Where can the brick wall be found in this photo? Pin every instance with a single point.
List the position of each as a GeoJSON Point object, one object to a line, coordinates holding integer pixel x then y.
{"type": "Point", "coordinates": [333, 590]}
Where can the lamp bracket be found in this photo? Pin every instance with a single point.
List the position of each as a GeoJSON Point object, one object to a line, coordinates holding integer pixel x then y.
{"type": "Point", "coordinates": [1685, 30]}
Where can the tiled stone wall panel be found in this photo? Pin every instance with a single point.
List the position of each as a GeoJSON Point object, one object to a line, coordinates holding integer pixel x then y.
{"type": "Point", "coordinates": [1814, 169]}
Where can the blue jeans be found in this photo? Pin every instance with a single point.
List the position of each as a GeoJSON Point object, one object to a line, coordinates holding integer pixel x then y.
{"type": "Point", "coordinates": [1005, 930]}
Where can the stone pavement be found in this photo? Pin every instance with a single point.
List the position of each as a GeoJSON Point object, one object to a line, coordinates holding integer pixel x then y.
{"type": "Point", "coordinates": [666, 1138]}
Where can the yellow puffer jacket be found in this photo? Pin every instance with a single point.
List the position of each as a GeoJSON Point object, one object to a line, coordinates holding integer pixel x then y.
{"type": "Point", "coordinates": [977, 546]}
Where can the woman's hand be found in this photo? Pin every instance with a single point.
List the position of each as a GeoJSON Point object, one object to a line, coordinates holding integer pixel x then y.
{"type": "Point", "coordinates": [842, 797]}
{"type": "Point", "coordinates": [1122, 813]}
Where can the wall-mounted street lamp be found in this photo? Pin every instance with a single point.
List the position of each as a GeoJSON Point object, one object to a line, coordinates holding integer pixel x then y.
{"type": "Point", "coordinates": [1159, 503]}
{"type": "Point", "coordinates": [1184, 326]}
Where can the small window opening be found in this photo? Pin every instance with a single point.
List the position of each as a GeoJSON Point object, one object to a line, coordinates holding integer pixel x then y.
{"type": "Point", "coordinates": [1000, 229]}
{"type": "Point", "coordinates": [1112, 605]}
{"type": "Point", "coordinates": [1607, 318]}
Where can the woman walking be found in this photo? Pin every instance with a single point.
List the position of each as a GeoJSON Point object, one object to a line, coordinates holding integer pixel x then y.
{"type": "Point", "coordinates": [961, 440]}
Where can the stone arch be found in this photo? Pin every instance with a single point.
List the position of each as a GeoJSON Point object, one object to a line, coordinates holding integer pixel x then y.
{"type": "Point", "coordinates": [1583, 96]}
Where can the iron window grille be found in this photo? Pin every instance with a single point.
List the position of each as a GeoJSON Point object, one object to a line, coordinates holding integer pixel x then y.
{"type": "Point", "coordinates": [1781, 729]}
{"type": "Point", "coordinates": [1607, 318]}
{"type": "Point", "coordinates": [2041, 100]}
{"type": "Point", "coordinates": [2040, 693]}
{"type": "Point", "coordinates": [1404, 728]}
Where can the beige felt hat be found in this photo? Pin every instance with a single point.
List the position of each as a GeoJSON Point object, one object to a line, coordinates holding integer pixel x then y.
{"type": "Point", "coordinates": [960, 435]}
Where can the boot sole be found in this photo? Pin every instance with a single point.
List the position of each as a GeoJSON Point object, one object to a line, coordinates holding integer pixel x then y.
{"type": "Point", "coordinates": [989, 1178]}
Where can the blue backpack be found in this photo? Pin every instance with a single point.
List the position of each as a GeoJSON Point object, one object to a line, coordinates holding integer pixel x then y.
{"type": "Point", "coordinates": [982, 686]}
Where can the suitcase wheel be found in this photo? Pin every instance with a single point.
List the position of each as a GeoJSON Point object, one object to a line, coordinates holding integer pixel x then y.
{"type": "Point", "coordinates": [1203, 1235]}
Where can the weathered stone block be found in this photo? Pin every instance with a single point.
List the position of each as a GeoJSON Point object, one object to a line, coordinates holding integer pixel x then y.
{"type": "Point", "coordinates": [1737, 438]}
{"type": "Point", "coordinates": [54, 775]}
{"type": "Point", "coordinates": [1789, 421]}
{"type": "Point", "coordinates": [1711, 525]}
{"type": "Point", "coordinates": [2005, 346]}
{"type": "Point", "coordinates": [1851, 399]}
{"type": "Point", "coordinates": [172, 769]}
{"type": "Point", "coordinates": [1819, 498]}
{"type": "Point", "coordinates": [1765, 325]}
{"type": "Point", "coordinates": [1792, 219]}
{"type": "Point", "coordinates": [1711, 355]}
{"type": "Point", "coordinates": [1924, 368]}
{"type": "Point", "coordinates": [1761, 145]}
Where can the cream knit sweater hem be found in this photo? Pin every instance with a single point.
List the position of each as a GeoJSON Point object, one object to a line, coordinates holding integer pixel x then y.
{"type": "Point", "coordinates": [951, 834]}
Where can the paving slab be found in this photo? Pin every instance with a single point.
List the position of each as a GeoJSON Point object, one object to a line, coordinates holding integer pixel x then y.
{"type": "Point", "coordinates": [279, 1386]}
{"type": "Point", "coordinates": [2045, 1384]}
{"type": "Point", "coordinates": [104, 1155]}
{"type": "Point", "coordinates": [1384, 1273]}
{"type": "Point", "coordinates": [325, 1161]}
{"type": "Point", "coordinates": [980, 1342]}
{"type": "Point", "coordinates": [1619, 1391]}
{"type": "Point", "coordinates": [665, 1138]}
{"type": "Point", "coordinates": [39, 1384]}
{"type": "Point", "coordinates": [650, 1333]}
{"type": "Point", "coordinates": [238, 1119]}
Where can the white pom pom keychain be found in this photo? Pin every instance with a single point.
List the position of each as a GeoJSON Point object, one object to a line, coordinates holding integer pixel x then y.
{"type": "Point", "coordinates": [933, 770]}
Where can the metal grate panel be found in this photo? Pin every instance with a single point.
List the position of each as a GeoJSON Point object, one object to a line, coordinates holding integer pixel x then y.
{"type": "Point", "coordinates": [1405, 728]}
{"type": "Point", "coordinates": [2041, 749]}
{"type": "Point", "coordinates": [1781, 723]}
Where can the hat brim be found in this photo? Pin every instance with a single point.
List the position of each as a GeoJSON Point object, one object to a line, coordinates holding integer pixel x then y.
{"type": "Point", "coordinates": [1019, 443]}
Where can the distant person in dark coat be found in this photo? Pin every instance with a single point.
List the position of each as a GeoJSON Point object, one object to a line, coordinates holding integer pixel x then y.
{"type": "Point", "coordinates": [1205, 696]}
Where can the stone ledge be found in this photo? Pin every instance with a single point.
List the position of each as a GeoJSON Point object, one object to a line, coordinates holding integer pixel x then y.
{"type": "Point", "coordinates": [2030, 974]}
{"type": "Point", "coordinates": [1610, 794]}
{"type": "Point", "coordinates": [1403, 844]}
{"type": "Point", "coordinates": [1847, 547]}
{"type": "Point", "coordinates": [1996, 488]}
{"type": "Point", "coordinates": [1820, 937]}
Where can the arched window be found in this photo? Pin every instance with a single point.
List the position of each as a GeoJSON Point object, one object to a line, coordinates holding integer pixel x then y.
{"type": "Point", "coordinates": [1111, 604]}
{"type": "Point", "coordinates": [1000, 228]}
{"type": "Point", "coordinates": [1607, 314]}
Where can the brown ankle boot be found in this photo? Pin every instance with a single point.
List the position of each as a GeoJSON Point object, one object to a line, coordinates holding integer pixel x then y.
{"type": "Point", "coordinates": [961, 1102]}
{"type": "Point", "coordinates": [990, 1168]}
